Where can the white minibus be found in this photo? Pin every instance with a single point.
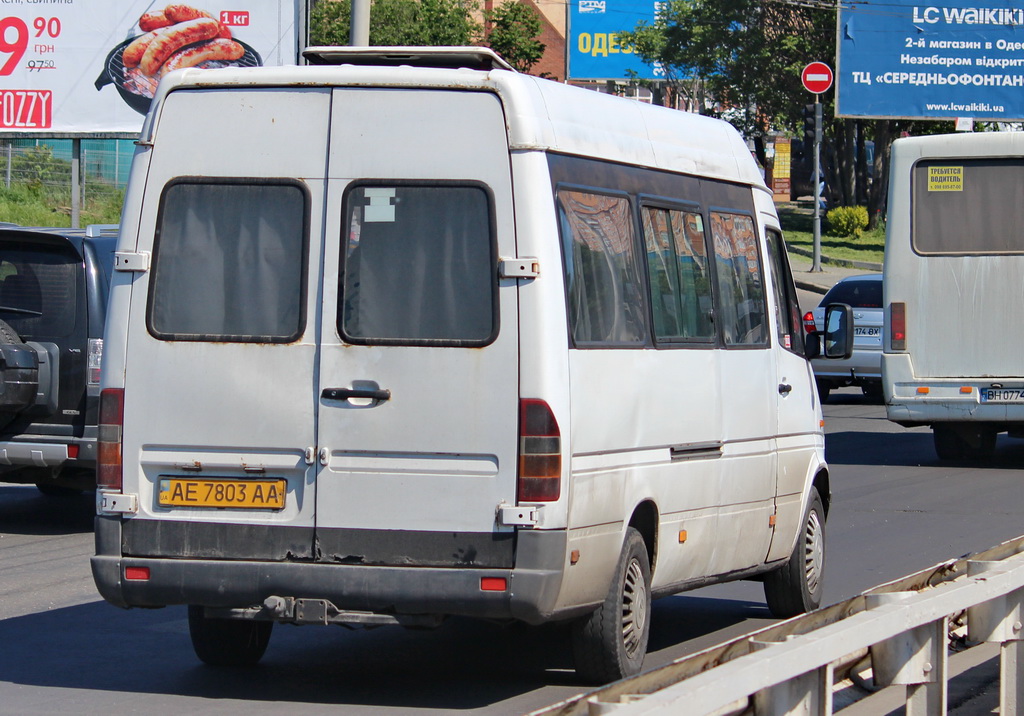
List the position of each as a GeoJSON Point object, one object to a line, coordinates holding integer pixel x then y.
{"type": "Point", "coordinates": [407, 334]}
{"type": "Point", "coordinates": [954, 258]}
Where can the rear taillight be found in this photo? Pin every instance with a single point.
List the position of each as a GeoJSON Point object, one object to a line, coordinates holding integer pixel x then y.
{"type": "Point", "coordinates": [95, 360]}
{"type": "Point", "coordinates": [108, 471]}
{"type": "Point", "coordinates": [809, 323]}
{"type": "Point", "coordinates": [540, 453]}
{"type": "Point", "coordinates": [898, 326]}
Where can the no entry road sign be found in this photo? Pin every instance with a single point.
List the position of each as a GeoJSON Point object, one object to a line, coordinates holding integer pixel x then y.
{"type": "Point", "coordinates": [817, 77]}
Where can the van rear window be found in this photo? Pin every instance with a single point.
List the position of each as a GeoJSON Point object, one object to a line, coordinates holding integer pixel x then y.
{"type": "Point", "coordinates": [420, 266]}
{"type": "Point", "coordinates": [964, 206]}
{"type": "Point", "coordinates": [228, 262]}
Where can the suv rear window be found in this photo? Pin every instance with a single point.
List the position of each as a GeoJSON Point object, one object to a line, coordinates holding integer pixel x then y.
{"type": "Point", "coordinates": [856, 294]}
{"type": "Point", "coordinates": [39, 289]}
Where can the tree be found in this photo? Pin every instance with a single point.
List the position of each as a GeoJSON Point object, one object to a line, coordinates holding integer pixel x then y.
{"type": "Point", "coordinates": [398, 22]}
{"type": "Point", "coordinates": [748, 56]}
{"type": "Point", "coordinates": [512, 33]}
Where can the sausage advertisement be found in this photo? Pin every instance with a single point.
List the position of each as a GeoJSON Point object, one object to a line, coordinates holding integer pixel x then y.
{"type": "Point", "coordinates": [91, 67]}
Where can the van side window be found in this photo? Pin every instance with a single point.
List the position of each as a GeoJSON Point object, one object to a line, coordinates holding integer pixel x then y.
{"type": "Point", "coordinates": [229, 262]}
{"type": "Point", "coordinates": [606, 302]}
{"type": "Point", "coordinates": [741, 306]}
{"type": "Point", "coordinates": [420, 266]}
{"type": "Point", "coordinates": [677, 267]}
{"type": "Point", "coordinates": [787, 305]}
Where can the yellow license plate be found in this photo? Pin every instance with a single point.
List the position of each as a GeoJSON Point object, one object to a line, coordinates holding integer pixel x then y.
{"type": "Point", "coordinates": [245, 494]}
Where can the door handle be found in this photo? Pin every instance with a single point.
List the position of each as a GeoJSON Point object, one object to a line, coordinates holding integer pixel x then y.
{"type": "Point", "coordinates": [377, 394]}
{"type": "Point", "coordinates": [785, 388]}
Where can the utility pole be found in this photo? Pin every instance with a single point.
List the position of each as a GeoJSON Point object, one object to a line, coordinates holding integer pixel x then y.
{"type": "Point", "coordinates": [359, 29]}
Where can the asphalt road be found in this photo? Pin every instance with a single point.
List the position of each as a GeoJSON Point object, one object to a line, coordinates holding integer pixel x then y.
{"type": "Point", "coordinates": [63, 651]}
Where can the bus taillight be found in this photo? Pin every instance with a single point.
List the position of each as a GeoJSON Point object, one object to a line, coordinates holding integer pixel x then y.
{"type": "Point", "coordinates": [898, 326]}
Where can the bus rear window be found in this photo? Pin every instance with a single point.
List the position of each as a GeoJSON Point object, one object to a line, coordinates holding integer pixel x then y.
{"type": "Point", "coordinates": [964, 206]}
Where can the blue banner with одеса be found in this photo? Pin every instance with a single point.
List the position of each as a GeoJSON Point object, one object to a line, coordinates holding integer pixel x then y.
{"type": "Point", "coordinates": [594, 52]}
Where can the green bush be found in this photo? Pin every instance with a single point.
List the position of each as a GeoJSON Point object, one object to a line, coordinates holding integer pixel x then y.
{"type": "Point", "coordinates": [847, 220]}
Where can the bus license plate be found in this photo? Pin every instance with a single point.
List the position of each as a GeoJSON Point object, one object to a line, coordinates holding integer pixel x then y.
{"type": "Point", "coordinates": [242, 494]}
{"type": "Point", "coordinates": [1001, 395]}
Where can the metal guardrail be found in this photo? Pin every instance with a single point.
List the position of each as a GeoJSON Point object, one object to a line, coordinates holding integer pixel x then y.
{"type": "Point", "coordinates": [900, 631]}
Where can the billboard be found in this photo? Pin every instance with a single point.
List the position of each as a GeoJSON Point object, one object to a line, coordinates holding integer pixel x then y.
{"type": "Point", "coordinates": [594, 52]}
{"type": "Point", "coordinates": [940, 60]}
{"type": "Point", "coordinates": [89, 67]}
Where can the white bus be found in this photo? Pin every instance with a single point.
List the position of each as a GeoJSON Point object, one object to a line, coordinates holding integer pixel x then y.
{"type": "Point", "coordinates": [412, 335]}
{"type": "Point", "coordinates": [954, 289]}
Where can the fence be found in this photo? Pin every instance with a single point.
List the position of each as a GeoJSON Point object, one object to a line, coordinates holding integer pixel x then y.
{"type": "Point", "coordinates": [899, 632]}
{"type": "Point", "coordinates": [45, 168]}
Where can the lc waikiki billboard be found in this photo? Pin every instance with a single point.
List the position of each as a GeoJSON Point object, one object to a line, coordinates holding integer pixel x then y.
{"type": "Point", "coordinates": [594, 52]}
{"type": "Point", "coordinates": [89, 67]}
{"type": "Point", "coordinates": [941, 60]}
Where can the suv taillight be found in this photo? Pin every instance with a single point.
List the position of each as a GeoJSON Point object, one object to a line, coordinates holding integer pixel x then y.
{"type": "Point", "coordinates": [540, 453]}
{"type": "Point", "coordinates": [108, 471]}
{"type": "Point", "coordinates": [898, 326]}
{"type": "Point", "coordinates": [95, 360]}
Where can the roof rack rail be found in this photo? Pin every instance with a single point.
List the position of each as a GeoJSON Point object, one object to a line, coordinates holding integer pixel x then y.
{"type": "Point", "coordinates": [469, 57]}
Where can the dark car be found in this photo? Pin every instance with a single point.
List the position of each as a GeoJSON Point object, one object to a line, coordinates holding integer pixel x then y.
{"type": "Point", "coordinates": [53, 296]}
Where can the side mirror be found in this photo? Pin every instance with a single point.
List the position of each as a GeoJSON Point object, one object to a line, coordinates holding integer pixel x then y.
{"type": "Point", "coordinates": [838, 335]}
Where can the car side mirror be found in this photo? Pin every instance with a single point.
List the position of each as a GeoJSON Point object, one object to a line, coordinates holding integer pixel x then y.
{"type": "Point", "coordinates": [838, 334]}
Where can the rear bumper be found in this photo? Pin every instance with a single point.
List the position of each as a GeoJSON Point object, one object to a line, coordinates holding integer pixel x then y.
{"type": "Point", "coordinates": [863, 367]}
{"type": "Point", "coordinates": [911, 400]}
{"type": "Point", "coordinates": [531, 594]}
{"type": "Point", "coordinates": [45, 452]}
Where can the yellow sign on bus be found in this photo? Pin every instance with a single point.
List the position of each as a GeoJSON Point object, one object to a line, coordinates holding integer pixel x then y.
{"type": "Point", "coordinates": [945, 178]}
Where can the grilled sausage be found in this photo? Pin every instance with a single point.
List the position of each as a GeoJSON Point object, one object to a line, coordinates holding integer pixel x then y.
{"type": "Point", "coordinates": [133, 53]}
{"type": "Point", "coordinates": [154, 21]}
{"type": "Point", "coordinates": [218, 49]}
{"type": "Point", "coordinates": [184, 13]}
{"type": "Point", "coordinates": [173, 38]}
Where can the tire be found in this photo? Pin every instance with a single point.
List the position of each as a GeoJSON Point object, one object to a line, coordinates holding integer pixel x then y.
{"type": "Point", "coordinates": [227, 642]}
{"type": "Point", "coordinates": [823, 390]}
{"type": "Point", "coordinates": [951, 443]}
{"type": "Point", "coordinates": [611, 642]}
{"type": "Point", "coordinates": [9, 335]}
{"type": "Point", "coordinates": [796, 588]}
{"type": "Point", "coordinates": [873, 391]}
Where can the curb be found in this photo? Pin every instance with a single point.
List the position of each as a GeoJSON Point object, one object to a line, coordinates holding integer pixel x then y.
{"type": "Point", "coordinates": [866, 265]}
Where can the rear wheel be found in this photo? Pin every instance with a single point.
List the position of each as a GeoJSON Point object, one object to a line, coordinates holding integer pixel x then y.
{"type": "Point", "coordinates": [796, 588]}
{"type": "Point", "coordinates": [953, 442]}
{"type": "Point", "coordinates": [227, 642]}
{"type": "Point", "coordinates": [611, 642]}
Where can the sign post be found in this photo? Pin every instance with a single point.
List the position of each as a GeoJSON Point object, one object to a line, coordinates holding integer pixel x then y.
{"type": "Point", "coordinates": [817, 78]}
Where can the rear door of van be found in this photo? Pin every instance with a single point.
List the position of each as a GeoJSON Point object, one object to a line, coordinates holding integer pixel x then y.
{"type": "Point", "coordinates": [220, 392]}
{"type": "Point", "coordinates": [418, 368]}
{"type": "Point", "coordinates": [336, 380]}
